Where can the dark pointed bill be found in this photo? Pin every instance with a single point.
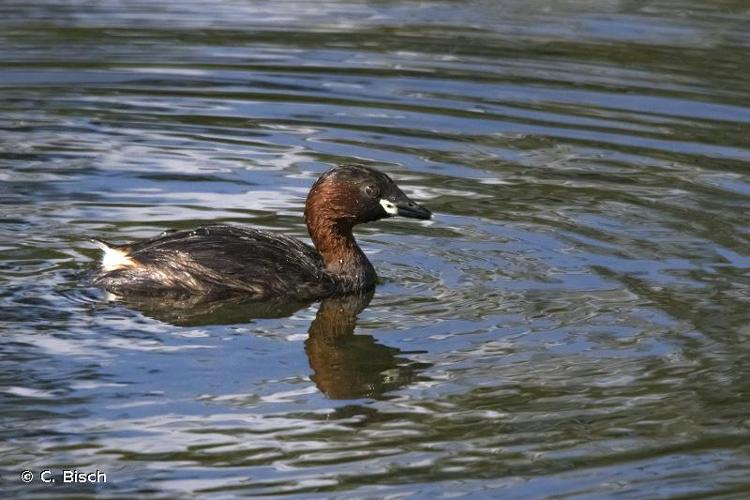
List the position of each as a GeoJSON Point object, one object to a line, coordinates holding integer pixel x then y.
{"type": "Point", "coordinates": [412, 210]}
{"type": "Point", "coordinates": [400, 204]}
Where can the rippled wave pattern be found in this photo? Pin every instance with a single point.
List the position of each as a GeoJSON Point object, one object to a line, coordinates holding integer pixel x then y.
{"type": "Point", "coordinates": [575, 321]}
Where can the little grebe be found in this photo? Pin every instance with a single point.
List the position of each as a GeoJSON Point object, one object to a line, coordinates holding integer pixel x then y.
{"type": "Point", "coordinates": [222, 260]}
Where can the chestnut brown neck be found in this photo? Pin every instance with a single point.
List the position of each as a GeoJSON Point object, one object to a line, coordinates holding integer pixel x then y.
{"type": "Point", "coordinates": [330, 229]}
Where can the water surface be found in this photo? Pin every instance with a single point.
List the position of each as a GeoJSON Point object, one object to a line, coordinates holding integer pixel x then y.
{"type": "Point", "coordinates": [573, 322]}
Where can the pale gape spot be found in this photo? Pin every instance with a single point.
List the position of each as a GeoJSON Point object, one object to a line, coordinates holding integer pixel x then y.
{"type": "Point", "coordinates": [389, 207]}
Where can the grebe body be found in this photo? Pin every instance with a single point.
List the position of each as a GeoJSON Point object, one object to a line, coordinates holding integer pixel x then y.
{"type": "Point", "coordinates": [216, 260]}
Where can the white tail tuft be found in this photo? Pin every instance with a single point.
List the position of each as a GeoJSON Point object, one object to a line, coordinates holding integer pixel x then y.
{"type": "Point", "coordinates": [113, 258]}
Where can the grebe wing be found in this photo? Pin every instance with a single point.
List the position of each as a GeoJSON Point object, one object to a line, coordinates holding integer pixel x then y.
{"type": "Point", "coordinates": [219, 259]}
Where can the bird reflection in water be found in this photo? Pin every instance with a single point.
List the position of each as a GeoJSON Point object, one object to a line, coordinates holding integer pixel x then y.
{"type": "Point", "coordinates": [344, 365]}
{"type": "Point", "coordinates": [348, 366]}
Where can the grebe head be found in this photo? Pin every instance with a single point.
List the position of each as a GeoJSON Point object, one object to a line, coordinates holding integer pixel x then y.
{"type": "Point", "coordinates": [354, 194]}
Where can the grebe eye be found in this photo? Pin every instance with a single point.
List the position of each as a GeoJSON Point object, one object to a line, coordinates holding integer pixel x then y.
{"type": "Point", "coordinates": [371, 190]}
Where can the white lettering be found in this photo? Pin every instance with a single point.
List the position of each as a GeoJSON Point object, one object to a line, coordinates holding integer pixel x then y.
{"type": "Point", "coordinates": [76, 476]}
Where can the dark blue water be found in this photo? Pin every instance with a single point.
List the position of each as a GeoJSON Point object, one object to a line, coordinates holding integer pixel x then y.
{"type": "Point", "coordinates": [573, 321]}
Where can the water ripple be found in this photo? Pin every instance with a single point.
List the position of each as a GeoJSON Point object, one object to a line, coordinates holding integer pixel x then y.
{"type": "Point", "coordinates": [572, 322]}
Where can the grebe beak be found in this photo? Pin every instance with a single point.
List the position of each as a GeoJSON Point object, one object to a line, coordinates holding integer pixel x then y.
{"type": "Point", "coordinates": [401, 205]}
{"type": "Point", "coordinates": [412, 210]}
